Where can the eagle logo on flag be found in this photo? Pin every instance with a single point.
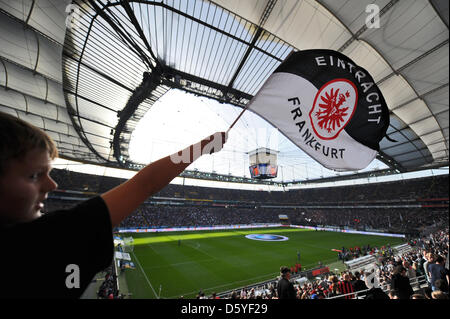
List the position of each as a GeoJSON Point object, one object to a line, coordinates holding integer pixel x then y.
{"type": "Point", "coordinates": [333, 107]}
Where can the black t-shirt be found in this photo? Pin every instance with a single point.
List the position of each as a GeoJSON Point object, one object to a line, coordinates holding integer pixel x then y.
{"type": "Point", "coordinates": [376, 293]}
{"type": "Point", "coordinates": [42, 258]}
{"type": "Point", "coordinates": [402, 285]}
{"type": "Point", "coordinates": [359, 285]}
{"type": "Point", "coordinates": [286, 289]}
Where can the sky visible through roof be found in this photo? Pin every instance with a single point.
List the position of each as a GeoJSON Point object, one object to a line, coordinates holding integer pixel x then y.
{"type": "Point", "coordinates": [197, 37]}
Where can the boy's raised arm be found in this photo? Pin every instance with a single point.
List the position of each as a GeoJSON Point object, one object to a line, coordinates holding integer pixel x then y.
{"type": "Point", "coordinates": [125, 198]}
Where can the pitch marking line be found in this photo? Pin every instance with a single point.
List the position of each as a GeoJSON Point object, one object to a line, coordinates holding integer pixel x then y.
{"type": "Point", "coordinates": [146, 278]}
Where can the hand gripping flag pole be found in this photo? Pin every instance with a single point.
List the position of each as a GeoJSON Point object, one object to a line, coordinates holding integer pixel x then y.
{"type": "Point", "coordinates": [327, 105]}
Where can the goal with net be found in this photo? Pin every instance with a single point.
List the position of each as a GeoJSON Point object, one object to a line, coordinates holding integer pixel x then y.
{"type": "Point", "coordinates": [128, 244]}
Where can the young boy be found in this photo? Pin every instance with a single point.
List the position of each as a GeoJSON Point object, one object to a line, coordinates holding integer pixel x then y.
{"type": "Point", "coordinates": [56, 255]}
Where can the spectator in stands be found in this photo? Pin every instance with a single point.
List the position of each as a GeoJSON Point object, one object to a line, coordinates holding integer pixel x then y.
{"type": "Point", "coordinates": [410, 272]}
{"type": "Point", "coordinates": [419, 264]}
{"type": "Point", "coordinates": [358, 284]}
{"type": "Point", "coordinates": [345, 287]}
{"type": "Point", "coordinates": [214, 296]}
{"type": "Point", "coordinates": [394, 294]}
{"type": "Point", "coordinates": [437, 271]}
{"type": "Point", "coordinates": [417, 268]}
{"type": "Point", "coordinates": [323, 283]}
{"type": "Point", "coordinates": [429, 260]}
{"type": "Point", "coordinates": [400, 283]}
{"type": "Point", "coordinates": [243, 294]}
{"type": "Point", "coordinates": [333, 290]}
{"type": "Point", "coordinates": [26, 153]}
{"type": "Point", "coordinates": [201, 295]}
{"type": "Point", "coordinates": [285, 288]}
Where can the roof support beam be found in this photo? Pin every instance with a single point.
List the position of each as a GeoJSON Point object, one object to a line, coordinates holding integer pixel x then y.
{"type": "Point", "coordinates": [400, 131]}
{"type": "Point", "coordinates": [420, 97]}
{"type": "Point", "coordinates": [400, 69]}
{"type": "Point", "coordinates": [405, 153]}
{"type": "Point", "coordinates": [267, 11]}
{"type": "Point", "coordinates": [389, 161]}
{"type": "Point", "coordinates": [427, 117]}
{"type": "Point", "coordinates": [209, 26]}
{"type": "Point", "coordinates": [236, 93]}
{"type": "Point", "coordinates": [149, 83]}
{"type": "Point", "coordinates": [91, 68]}
{"type": "Point", "coordinates": [133, 19]}
{"type": "Point", "coordinates": [244, 58]}
{"type": "Point", "coordinates": [364, 28]}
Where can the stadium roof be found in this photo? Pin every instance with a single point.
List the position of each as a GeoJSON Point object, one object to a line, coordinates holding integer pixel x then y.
{"type": "Point", "coordinates": [77, 71]}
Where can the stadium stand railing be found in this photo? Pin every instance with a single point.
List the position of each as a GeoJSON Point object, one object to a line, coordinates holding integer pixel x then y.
{"type": "Point", "coordinates": [361, 262]}
{"type": "Point", "coordinates": [401, 249]}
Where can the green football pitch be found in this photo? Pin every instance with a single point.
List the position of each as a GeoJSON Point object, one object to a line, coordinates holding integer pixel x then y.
{"type": "Point", "coordinates": [170, 265]}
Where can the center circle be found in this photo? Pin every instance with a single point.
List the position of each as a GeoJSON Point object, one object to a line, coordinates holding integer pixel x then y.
{"type": "Point", "coordinates": [266, 237]}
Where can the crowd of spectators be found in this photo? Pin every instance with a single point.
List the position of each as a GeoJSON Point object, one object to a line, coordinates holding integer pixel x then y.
{"type": "Point", "coordinates": [397, 277]}
{"type": "Point", "coordinates": [403, 190]}
{"type": "Point", "coordinates": [71, 180]}
{"type": "Point", "coordinates": [427, 199]}
{"type": "Point", "coordinates": [395, 220]}
{"type": "Point", "coordinates": [399, 220]}
{"type": "Point", "coordinates": [420, 189]}
{"type": "Point", "coordinates": [190, 216]}
{"type": "Point", "coordinates": [108, 288]}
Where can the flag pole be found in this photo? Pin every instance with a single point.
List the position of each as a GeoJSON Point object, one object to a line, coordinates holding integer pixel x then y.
{"type": "Point", "coordinates": [239, 116]}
